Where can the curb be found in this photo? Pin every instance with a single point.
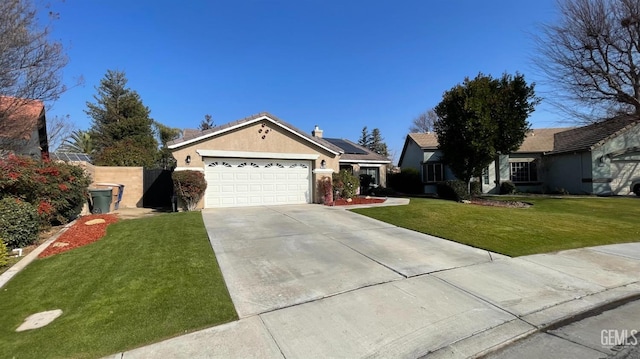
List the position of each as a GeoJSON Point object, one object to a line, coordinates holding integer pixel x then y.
{"type": "Point", "coordinates": [16, 268]}
{"type": "Point", "coordinates": [561, 322]}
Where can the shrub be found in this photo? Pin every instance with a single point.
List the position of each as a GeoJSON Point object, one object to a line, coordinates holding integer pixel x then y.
{"type": "Point", "coordinates": [19, 222]}
{"type": "Point", "coordinates": [4, 254]}
{"type": "Point", "coordinates": [56, 189]}
{"type": "Point", "coordinates": [408, 181]}
{"type": "Point", "coordinates": [476, 188]}
{"type": "Point", "coordinates": [126, 152]}
{"type": "Point", "coordinates": [189, 186]}
{"type": "Point", "coordinates": [453, 190]}
{"type": "Point", "coordinates": [325, 190]}
{"type": "Point", "coordinates": [507, 187]}
{"type": "Point", "coordinates": [345, 184]}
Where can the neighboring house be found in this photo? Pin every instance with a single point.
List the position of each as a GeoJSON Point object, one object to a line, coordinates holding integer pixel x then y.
{"type": "Point", "coordinates": [263, 160]}
{"type": "Point", "coordinates": [23, 127]}
{"type": "Point", "coordinates": [602, 159]}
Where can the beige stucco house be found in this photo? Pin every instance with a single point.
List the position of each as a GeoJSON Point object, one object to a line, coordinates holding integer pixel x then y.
{"type": "Point", "coordinates": [262, 160]}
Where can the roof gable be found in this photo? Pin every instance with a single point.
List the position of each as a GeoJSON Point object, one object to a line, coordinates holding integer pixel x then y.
{"type": "Point", "coordinates": [427, 140]}
{"type": "Point", "coordinates": [590, 136]}
{"type": "Point", "coordinates": [19, 117]}
{"type": "Point", "coordinates": [190, 137]}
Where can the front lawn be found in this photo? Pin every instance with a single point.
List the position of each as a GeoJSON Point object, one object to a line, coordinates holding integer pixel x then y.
{"type": "Point", "coordinates": [551, 224]}
{"type": "Point", "coordinates": [148, 279]}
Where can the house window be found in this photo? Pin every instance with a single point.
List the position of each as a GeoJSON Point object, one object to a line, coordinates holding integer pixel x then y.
{"type": "Point", "coordinates": [432, 172]}
{"type": "Point", "coordinates": [485, 175]}
{"type": "Point", "coordinates": [524, 172]}
{"type": "Point", "coordinates": [374, 172]}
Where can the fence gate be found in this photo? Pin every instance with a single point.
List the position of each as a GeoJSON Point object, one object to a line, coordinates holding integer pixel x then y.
{"type": "Point", "coordinates": [157, 188]}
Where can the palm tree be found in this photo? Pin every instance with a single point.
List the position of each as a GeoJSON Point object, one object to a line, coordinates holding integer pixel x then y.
{"type": "Point", "coordinates": [79, 142]}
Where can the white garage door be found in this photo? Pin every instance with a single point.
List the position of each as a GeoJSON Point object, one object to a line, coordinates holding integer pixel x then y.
{"type": "Point", "coordinates": [235, 182]}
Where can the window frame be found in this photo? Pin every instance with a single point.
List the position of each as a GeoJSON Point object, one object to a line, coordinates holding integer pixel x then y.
{"type": "Point", "coordinates": [376, 176]}
{"type": "Point", "coordinates": [434, 166]}
{"type": "Point", "coordinates": [524, 171]}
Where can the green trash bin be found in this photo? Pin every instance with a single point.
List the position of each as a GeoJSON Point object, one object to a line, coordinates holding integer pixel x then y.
{"type": "Point", "coordinates": [101, 199]}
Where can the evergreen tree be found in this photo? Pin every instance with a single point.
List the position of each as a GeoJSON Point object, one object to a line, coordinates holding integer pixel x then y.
{"type": "Point", "coordinates": [117, 115]}
{"type": "Point", "coordinates": [207, 123]}
{"type": "Point", "coordinates": [365, 138]}
{"type": "Point", "coordinates": [376, 143]}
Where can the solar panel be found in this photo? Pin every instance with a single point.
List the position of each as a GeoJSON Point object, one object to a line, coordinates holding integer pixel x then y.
{"type": "Point", "coordinates": [346, 146]}
{"type": "Point", "coordinates": [70, 156]}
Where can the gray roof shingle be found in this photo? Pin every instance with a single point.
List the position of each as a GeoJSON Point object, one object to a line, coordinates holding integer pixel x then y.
{"type": "Point", "coordinates": [590, 136]}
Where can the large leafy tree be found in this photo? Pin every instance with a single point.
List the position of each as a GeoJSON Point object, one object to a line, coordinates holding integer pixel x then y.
{"type": "Point", "coordinates": [118, 114]}
{"type": "Point", "coordinates": [592, 57]}
{"type": "Point", "coordinates": [30, 62]}
{"type": "Point", "coordinates": [481, 118]}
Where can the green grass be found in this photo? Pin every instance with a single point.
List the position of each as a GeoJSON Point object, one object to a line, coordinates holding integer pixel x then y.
{"type": "Point", "coordinates": [147, 280]}
{"type": "Point", "coordinates": [551, 224]}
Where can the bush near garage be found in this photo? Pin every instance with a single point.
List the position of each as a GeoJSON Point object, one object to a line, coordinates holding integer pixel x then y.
{"type": "Point", "coordinates": [19, 222]}
{"type": "Point", "coordinates": [345, 184]}
{"type": "Point", "coordinates": [189, 186]}
{"type": "Point", "coordinates": [56, 189]}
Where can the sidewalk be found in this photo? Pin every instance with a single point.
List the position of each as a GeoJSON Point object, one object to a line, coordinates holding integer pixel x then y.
{"type": "Point", "coordinates": [463, 312]}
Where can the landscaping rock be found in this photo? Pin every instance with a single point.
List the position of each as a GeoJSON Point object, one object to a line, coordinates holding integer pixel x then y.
{"type": "Point", "coordinates": [39, 320]}
{"type": "Point", "coordinates": [95, 221]}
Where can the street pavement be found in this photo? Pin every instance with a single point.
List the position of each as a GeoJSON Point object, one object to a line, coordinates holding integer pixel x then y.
{"type": "Point", "coordinates": [311, 281]}
{"type": "Point", "coordinates": [607, 333]}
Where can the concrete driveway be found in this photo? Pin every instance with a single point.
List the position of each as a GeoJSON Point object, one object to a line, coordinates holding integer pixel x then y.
{"type": "Point", "coordinates": [311, 281]}
{"type": "Point", "coordinates": [276, 257]}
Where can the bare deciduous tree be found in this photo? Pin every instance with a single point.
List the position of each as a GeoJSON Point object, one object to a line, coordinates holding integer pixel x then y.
{"type": "Point", "coordinates": [424, 122]}
{"type": "Point", "coordinates": [59, 128]}
{"type": "Point", "coordinates": [30, 63]}
{"type": "Point", "coordinates": [592, 56]}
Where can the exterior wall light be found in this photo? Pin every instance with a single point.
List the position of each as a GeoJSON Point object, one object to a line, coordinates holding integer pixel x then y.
{"type": "Point", "coordinates": [188, 159]}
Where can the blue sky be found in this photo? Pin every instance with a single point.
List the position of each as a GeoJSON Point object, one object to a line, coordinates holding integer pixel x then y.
{"type": "Point", "coordinates": [341, 65]}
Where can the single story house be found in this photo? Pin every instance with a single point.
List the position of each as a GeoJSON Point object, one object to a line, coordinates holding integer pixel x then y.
{"type": "Point", "coordinates": [602, 158]}
{"type": "Point", "coordinates": [262, 160]}
{"type": "Point", "coordinates": [23, 127]}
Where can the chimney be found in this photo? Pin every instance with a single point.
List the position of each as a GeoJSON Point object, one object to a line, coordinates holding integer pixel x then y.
{"type": "Point", "coordinates": [317, 132]}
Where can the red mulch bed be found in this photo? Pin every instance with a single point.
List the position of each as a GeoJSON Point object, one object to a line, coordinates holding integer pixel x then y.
{"type": "Point", "coordinates": [357, 200]}
{"type": "Point", "coordinates": [80, 234]}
